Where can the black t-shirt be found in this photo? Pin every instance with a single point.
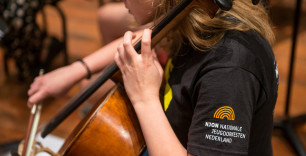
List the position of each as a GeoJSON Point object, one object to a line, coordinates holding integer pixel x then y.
{"type": "Point", "coordinates": [222, 100]}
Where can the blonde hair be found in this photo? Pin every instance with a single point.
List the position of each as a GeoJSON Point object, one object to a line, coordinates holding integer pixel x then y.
{"type": "Point", "coordinates": [203, 32]}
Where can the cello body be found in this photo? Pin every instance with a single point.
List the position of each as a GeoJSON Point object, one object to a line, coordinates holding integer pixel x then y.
{"type": "Point", "coordinates": [111, 128]}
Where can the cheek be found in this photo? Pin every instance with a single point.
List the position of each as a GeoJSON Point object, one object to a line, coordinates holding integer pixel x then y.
{"type": "Point", "coordinates": [143, 19]}
{"type": "Point", "coordinates": [144, 16]}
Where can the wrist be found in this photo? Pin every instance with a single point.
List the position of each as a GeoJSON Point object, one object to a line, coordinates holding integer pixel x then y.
{"type": "Point", "coordinates": [84, 64]}
{"type": "Point", "coordinates": [78, 70]}
{"type": "Point", "coordinates": [149, 104]}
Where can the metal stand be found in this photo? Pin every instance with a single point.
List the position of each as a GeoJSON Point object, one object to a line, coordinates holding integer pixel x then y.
{"type": "Point", "coordinates": [288, 123]}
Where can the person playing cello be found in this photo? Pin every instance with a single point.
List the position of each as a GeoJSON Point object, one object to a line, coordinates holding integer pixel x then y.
{"type": "Point", "coordinates": [221, 80]}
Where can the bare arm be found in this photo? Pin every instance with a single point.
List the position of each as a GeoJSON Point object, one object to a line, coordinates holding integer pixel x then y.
{"type": "Point", "coordinates": [142, 76]}
{"type": "Point", "coordinates": [59, 81]}
{"type": "Point", "coordinates": [160, 138]}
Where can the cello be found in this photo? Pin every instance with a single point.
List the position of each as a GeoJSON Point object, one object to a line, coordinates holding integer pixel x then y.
{"type": "Point", "coordinates": [113, 121]}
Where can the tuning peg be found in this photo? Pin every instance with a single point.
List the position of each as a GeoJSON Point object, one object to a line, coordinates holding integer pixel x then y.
{"type": "Point", "coordinates": [224, 4]}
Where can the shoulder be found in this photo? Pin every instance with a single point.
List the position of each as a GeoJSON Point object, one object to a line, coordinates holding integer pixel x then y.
{"type": "Point", "coordinates": [245, 50]}
{"type": "Point", "coordinates": [239, 49]}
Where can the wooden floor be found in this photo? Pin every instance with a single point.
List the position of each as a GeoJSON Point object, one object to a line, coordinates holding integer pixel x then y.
{"type": "Point", "coordinates": [84, 38]}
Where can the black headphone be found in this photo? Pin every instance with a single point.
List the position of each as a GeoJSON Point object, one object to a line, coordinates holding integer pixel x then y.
{"type": "Point", "coordinates": [227, 4]}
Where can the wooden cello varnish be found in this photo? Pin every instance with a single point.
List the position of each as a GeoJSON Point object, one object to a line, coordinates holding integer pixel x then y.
{"type": "Point", "coordinates": [110, 129]}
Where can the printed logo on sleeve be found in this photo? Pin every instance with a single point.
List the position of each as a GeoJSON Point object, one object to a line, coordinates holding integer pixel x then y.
{"type": "Point", "coordinates": [224, 132]}
{"type": "Point", "coordinates": [225, 112]}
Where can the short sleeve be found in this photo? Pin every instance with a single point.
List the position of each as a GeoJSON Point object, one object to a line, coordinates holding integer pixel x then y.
{"type": "Point", "coordinates": [224, 103]}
